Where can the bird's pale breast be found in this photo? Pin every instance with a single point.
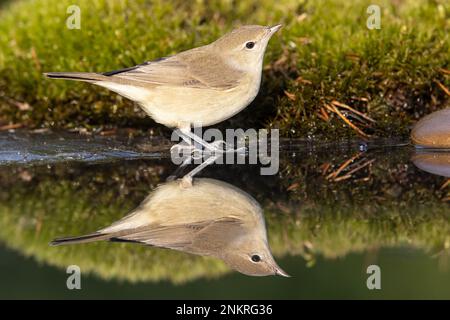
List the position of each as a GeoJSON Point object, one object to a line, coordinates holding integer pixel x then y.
{"type": "Point", "coordinates": [208, 199]}
{"type": "Point", "coordinates": [180, 106]}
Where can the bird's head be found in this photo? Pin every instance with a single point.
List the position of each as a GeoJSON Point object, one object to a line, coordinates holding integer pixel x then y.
{"type": "Point", "coordinates": [244, 47]}
{"type": "Point", "coordinates": [252, 257]}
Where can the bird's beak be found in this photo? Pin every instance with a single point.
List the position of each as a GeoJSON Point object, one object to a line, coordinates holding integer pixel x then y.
{"type": "Point", "coordinates": [274, 29]}
{"type": "Point", "coordinates": [278, 271]}
{"type": "Point", "coordinates": [281, 272]}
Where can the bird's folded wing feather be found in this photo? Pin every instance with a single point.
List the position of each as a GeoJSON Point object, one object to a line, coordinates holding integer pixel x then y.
{"type": "Point", "coordinates": [197, 70]}
{"type": "Point", "coordinates": [201, 237]}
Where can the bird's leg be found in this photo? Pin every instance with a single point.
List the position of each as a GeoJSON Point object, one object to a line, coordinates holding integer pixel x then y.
{"type": "Point", "coordinates": [187, 135]}
{"type": "Point", "coordinates": [192, 145]}
{"type": "Point", "coordinates": [219, 146]}
{"type": "Point", "coordinates": [187, 148]}
{"type": "Point", "coordinates": [183, 146]}
{"type": "Point", "coordinates": [222, 146]}
{"type": "Point", "coordinates": [187, 178]}
{"type": "Point", "coordinates": [180, 168]}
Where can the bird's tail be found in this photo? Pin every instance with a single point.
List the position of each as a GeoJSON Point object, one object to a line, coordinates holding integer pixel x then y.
{"type": "Point", "coordinates": [97, 236]}
{"type": "Point", "coordinates": [78, 76]}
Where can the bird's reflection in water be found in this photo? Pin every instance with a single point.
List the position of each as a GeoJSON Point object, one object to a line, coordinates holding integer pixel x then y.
{"type": "Point", "coordinates": [200, 216]}
{"type": "Point", "coordinates": [437, 162]}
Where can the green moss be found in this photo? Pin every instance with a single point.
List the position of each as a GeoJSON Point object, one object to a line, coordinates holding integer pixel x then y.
{"type": "Point", "coordinates": [113, 34]}
{"type": "Point", "coordinates": [394, 69]}
{"type": "Point", "coordinates": [326, 43]}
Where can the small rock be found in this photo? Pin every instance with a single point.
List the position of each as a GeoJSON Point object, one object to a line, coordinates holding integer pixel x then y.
{"type": "Point", "coordinates": [433, 131]}
{"type": "Point", "coordinates": [437, 163]}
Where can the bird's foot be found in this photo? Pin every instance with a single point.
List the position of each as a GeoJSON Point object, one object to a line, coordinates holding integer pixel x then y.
{"type": "Point", "coordinates": [186, 181]}
{"type": "Point", "coordinates": [223, 147]}
{"type": "Point", "coordinates": [187, 150]}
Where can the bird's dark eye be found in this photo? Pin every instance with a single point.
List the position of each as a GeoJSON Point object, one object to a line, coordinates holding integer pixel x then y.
{"type": "Point", "coordinates": [256, 258]}
{"type": "Point", "coordinates": [250, 45]}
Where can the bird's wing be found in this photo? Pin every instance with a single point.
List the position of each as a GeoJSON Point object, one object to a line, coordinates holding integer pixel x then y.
{"type": "Point", "coordinates": [195, 70]}
{"type": "Point", "coordinates": [201, 237]}
{"type": "Point", "coordinates": [216, 236]}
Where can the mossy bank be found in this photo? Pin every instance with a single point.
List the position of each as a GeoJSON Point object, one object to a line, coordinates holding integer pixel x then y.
{"type": "Point", "coordinates": [324, 59]}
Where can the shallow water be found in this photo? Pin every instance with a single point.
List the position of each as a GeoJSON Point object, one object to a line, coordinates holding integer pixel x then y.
{"type": "Point", "coordinates": [327, 220]}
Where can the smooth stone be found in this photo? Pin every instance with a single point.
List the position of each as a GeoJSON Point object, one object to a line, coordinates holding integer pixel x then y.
{"type": "Point", "coordinates": [437, 163]}
{"type": "Point", "coordinates": [433, 130]}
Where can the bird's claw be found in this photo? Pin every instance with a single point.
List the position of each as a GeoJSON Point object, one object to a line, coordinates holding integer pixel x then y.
{"type": "Point", "coordinates": [223, 147]}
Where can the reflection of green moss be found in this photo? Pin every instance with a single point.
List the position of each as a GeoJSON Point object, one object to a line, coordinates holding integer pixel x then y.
{"type": "Point", "coordinates": [334, 231]}
{"type": "Point", "coordinates": [324, 53]}
{"type": "Point", "coordinates": [54, 209]}
{"type": "Point", "coordinates": [330, 220]}
{"type": "Point", "coordinates": [389, 203]}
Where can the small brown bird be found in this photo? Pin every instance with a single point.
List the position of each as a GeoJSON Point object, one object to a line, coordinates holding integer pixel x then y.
{"type": "Point", "coordinates": [199, 87]}
{"type": "Point", "coordinates": [207, 217]}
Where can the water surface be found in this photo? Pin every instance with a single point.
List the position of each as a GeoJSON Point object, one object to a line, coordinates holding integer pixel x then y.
{"type": "Point", "coordinates": [328, 219]}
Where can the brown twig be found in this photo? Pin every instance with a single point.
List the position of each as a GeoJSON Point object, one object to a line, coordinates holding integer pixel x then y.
{"type": "Point", "coordinates": [22, 106]}
{"type": "Point", "coordinates": [11, 126]}
{"type": "Point", "coordinates": [359, 113]}
{"type": "Point", "coordinates": [302, 80]}
{"type": "Point", "coordinates": [325, 167]}
{"type": "Point", "coordinates": [347, 164]}
{"type": "Point", "coordinates": [444, 88]}
{"type": "Point", "coordinates": [363, 99]}
{"type": "Point", "coordinates": [349, 123]}
{"type": "Point", "coordinates": [293, 186]}
{"type": "Point", "coordinates": [322, 114]}
{"type": "Point", "coordinates": [108, 132]}
{"type": "Point", "coordinates": [444, 71]}
{"type": "Point", "coordinates": [291, 96]}
{"type": "Point", "coordinates": [337, 179]}
{"type": "Point", "coordinates": [365, 164]}
{"type": "Point", "coordinates": [329, 108]}
{"type": "Point", "coordinates": [334, 174]}
{"type": "Point", "coordinates": [445, 184]}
